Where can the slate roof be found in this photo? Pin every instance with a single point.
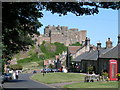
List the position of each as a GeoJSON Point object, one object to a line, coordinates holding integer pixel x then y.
{"type": "Point", "coordinates": [113, 53]}
{"type": "Point", "coordinates": [91, 55]}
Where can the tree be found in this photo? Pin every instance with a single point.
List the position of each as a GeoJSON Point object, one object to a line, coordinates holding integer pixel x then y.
{"type": "Point", "coordinates": [79, 8]}
{"type": "Point", "coordinates": [20, 20]}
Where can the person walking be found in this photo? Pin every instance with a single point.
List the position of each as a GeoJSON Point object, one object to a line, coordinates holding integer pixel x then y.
{"type": "Point", "coordinates": [17, 74]}
{"type": "Point", "coordinates": [14, 75]}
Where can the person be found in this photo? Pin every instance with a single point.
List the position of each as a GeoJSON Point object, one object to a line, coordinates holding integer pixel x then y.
{"type": "Point", "coordinates": [16, 74]}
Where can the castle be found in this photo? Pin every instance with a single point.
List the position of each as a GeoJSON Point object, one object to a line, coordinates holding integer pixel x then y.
{"type": "Point", "coordinates": [62, 34]}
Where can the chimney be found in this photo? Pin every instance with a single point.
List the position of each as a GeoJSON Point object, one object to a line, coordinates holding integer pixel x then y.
{"type": "Point", "coordinates": [99, 45]}
{"type": "Point", "coordinates": [119, 39]}
{"type": "Point", "coordinates": [87, 41]}
{"type": "Point", "coordinates": [108, 43]}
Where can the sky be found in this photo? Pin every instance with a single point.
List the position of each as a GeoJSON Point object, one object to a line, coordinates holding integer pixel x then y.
{"type": "Point", "coordinates": [99, 27]}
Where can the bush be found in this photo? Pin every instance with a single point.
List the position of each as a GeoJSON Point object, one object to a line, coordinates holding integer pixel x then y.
{"type": "Point", "coordinates": [16, 67]}
{"type": "Point", "coordinates": [90, 69]}
{"type": "Point", "coordinates": [105, 74]}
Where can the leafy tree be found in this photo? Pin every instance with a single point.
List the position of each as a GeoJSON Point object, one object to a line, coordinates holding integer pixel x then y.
{"type": "Point", "coordinates": [79, 8]}
{"type": "Point", "coordinates": [20, 20]}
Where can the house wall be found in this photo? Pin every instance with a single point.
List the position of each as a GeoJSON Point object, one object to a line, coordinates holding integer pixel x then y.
{"type": "Point", "coordinates": [118, 65]}
{"type": "Point", "coordinates": [86, 63]}
{"type": "Point", "coordinates": [103, 65]}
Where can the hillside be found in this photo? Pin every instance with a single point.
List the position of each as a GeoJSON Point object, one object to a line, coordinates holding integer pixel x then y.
{"type": "Point", "coordinates": [33, 58]}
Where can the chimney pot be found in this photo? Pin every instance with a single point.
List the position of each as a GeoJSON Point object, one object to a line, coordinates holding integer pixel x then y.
{"type": "Point", "coordinates": [108, 43]}
{"type": "Point", "coordinates": [99, 45]}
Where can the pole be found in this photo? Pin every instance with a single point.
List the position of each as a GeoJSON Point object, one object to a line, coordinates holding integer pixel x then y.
{"type": "Point", "coordinates": [43, 68]}
{"type": "Point", "coordinates": [98, 61]}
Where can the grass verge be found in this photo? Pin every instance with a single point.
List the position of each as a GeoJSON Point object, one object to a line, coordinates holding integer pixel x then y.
{"type": "Point", "coordinates": [110, 84]}
{"type": "Point", "coordinates": [50, 78]}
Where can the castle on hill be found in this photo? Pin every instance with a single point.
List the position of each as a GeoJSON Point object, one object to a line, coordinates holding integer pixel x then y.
{"type": "Point", "coordinates": [61, 34]}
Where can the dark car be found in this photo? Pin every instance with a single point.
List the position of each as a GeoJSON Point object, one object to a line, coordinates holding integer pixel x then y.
{"type": "Point", "coordinates": [34, 71]}
{"type": "Point", "coordinates": [7, 76]}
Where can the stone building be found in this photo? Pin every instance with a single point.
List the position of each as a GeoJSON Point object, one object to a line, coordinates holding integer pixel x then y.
{"type": "Point", "coordinates": [64, 35]}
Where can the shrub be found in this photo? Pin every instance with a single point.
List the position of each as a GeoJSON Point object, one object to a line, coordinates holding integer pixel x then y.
{"type": "Point", "coordinates": [118, 75]}
{"type": "Point", "coordinates": [90, 69]}
{"type": "Point", "coordinates": [105, 74]}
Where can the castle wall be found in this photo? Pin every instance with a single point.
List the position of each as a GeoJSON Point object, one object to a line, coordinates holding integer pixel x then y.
{"type": "Point", "coordinates": [64, 35]}
{"type": "Point", "coordinates": [57, 37]}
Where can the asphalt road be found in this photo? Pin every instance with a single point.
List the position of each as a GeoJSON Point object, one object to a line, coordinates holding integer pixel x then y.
{"type": "Point", "coordinates": [24, 82]}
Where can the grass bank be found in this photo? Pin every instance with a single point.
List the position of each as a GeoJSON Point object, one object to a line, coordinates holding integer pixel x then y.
{"type": "Point", "coordinates": [50, 78]}
{"type": "Point", "coordinates": [110, 84]}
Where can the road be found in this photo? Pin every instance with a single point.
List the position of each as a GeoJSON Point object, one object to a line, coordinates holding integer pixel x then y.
{"type": "Point", "coordinates": [24, 82]}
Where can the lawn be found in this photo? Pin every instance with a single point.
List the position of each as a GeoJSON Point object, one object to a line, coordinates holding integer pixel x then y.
{"type": "Point", "coordinates": [110, 84]}
{"type": "Point", "coordinates": [58, 77]}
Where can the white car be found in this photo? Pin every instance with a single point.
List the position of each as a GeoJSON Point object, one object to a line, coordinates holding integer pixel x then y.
{"type": "Point", "coordinates": [1, 81]}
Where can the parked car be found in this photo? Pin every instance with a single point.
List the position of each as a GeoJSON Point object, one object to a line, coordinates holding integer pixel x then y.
{"type": "Point", "coordinates": [55, 70]}
{"type": "Point", "coordinates": [46, 70]}
{"type": "Point", "coordinates": [7, 76]}
{"type": "Point", "coordinates": [1, 82]}
{"type": "Point", "coordinates": [34, 71]}
{"type": "Point", "coordinates": [1, 79]}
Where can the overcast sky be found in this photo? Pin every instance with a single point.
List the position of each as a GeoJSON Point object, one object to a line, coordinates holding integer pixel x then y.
{"type": "Point", "coordinates": [99, 26]}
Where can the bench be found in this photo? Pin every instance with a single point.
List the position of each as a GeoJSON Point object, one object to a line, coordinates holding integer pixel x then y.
{"type": "Point", "coordinates": [91, 78]}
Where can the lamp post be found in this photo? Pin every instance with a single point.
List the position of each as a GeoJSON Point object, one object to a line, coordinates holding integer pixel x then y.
{"type": "Point", "coordinates": [43, 67]}
{"type": "Point", "coordinates": [98, 50]}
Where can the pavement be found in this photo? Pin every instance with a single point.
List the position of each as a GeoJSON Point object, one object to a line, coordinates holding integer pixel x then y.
{"type": "Point", "coordinates": [24, 82]}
